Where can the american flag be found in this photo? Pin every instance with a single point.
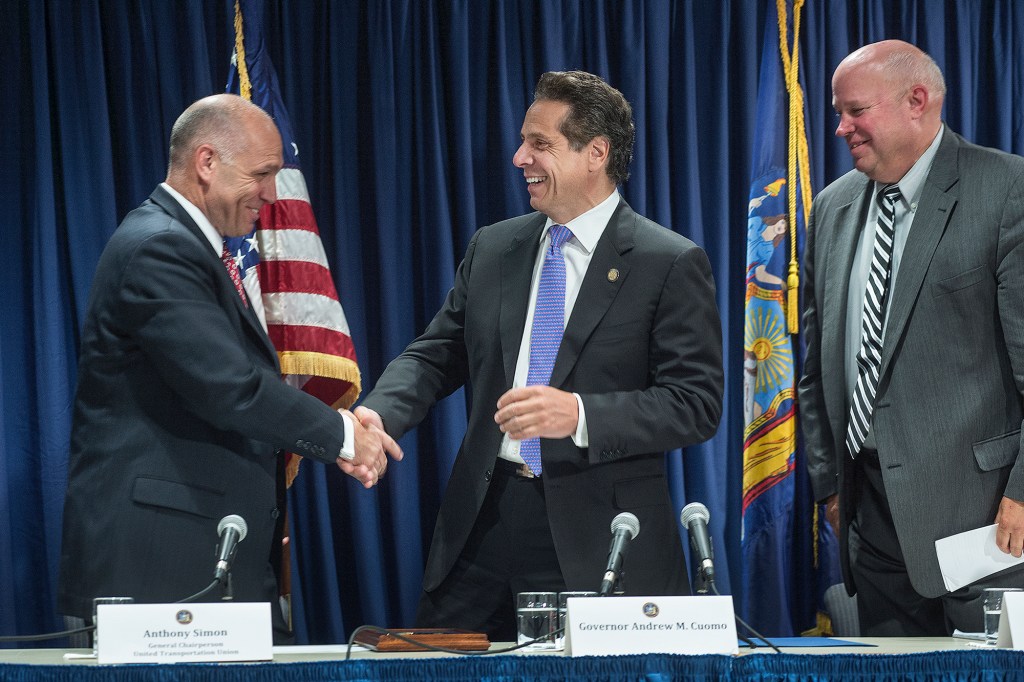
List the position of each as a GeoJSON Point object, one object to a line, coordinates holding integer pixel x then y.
{"type": "Point", "coordinates": [284, 266]}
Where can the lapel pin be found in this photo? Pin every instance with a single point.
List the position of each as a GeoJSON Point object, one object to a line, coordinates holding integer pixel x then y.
{"type": "Point", "coordinates": [613, 275]}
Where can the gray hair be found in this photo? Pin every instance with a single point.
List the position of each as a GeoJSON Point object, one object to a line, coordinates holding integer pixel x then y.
{"type": "Point", "coordinates": [910, 67]}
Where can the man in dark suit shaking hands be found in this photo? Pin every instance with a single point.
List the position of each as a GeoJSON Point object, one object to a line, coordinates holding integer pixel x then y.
{"type": "Point", "coordinates": [180, 415]}
{"type": "Point", "coordinates": [591, 343]}
{"type": "Point", "coordinates": [914, 321]}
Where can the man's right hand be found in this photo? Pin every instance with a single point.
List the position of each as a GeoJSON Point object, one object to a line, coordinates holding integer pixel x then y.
{"type": "Point", "coordinates": [832, 512]}
{"type": "Point", "coordinates": [373, 446]}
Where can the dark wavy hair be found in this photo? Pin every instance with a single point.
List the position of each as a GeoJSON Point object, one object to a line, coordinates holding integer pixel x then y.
{"type": "Point", "coordinates": [595, 109]}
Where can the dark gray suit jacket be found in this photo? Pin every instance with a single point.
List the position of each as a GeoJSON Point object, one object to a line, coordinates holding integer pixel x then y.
{"type": "Point", "coordinates": [948, 410]}
{"type": "Point", "coordinates": [643, 350]}
{"type": "Point", "coordinates": [179, 413]}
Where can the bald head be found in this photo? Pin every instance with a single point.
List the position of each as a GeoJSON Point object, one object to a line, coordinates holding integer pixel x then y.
{"type": "Point", "coordinates": [225, 122]}
{"type": "Point", "coordinates": [901, 65]}
{"type": "Point", "coordinates": [889, 99]}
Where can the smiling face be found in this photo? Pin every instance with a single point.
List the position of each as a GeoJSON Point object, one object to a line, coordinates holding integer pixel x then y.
{"type": "Point", "coordinates": [240, 183]}
{"type": "Point", "coordinates": [562, 183]}
{"type": "Point", "coordinates": [887, 115]}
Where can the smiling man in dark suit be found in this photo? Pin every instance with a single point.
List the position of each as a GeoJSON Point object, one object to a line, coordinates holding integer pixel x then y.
{"type": "Point", "coordinates": [914, 321]}
{"type": "Point", "coordinates": [591, 342]}
{"type": "Point", "coordinates": [180, 414]}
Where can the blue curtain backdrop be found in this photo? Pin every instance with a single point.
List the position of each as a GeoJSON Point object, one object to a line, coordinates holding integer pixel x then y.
{"type": "Point", "coordinates": [406, 113]}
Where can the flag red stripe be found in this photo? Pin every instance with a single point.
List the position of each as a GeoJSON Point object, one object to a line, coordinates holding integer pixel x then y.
{"type": "Point", "coordinates": [288, 214]}
{"type": "Point", "coordinates": [291, 276]}
{"type": "Point", "coordinates": [325, 389]}
{"type": "Point", "coordinates": [303, 338]}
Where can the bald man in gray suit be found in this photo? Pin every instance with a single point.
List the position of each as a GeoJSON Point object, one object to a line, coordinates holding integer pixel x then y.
{"type": "Point", "coordinates": [919, 438]}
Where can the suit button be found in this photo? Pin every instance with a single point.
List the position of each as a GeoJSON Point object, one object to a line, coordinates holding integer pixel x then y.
{"type": "Point", "coordinates": [487, 475]}
{"type": "Point", "coordinates": [275, 512]}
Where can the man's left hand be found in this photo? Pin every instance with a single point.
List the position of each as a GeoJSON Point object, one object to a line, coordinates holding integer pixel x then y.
{"type": "Point", "coordinates": [537, 412]}
{"type": "Point", "coordinates": [1010, 526]}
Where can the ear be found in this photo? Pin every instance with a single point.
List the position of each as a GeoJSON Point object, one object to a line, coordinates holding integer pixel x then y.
{"type": "Point", "coordinates": [204, 160]}
{"type": "Point", "coordinates": [599, 150]}
{"type": "Point", "coordinates": [917, 98]}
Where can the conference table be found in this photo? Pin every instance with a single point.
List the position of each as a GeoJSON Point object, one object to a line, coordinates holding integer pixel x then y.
{"type": "Point", "coordinates": [861, 658]}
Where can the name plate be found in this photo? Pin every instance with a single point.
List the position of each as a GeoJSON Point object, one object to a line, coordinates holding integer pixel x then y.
{"type": "Point", "coordinates": [642, 625]}
{"type": "Point", "coordinates": [1011, 621]}
{"type": "Point", "coordinates": [176, 633]}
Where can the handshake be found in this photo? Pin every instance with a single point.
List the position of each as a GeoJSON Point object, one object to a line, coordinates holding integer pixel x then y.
{"type": "Point", "coordinates": [372, 446]}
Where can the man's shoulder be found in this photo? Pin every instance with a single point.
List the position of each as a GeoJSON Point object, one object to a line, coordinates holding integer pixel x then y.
{"type": "Point", "coordinates": [145, 222]}
{"type": "Point", "coordinates": [150, 223]}
{"type": "Point", "coordinates": [977, 156]}
{"type": "Point", "coordinates": [649, 235]}
{"type": "Point", "coordinates": [851, 181]}
{"type": "Point", "coordinates": [503, 232]}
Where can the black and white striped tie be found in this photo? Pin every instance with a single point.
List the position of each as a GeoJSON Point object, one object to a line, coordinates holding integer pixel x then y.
{"type": "Point", "coordinates": [876, 293]}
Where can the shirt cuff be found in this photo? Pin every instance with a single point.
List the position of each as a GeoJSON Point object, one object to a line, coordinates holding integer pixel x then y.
{"type": "Point", "coordinates": [581, 438]}
{"type": "Point", "coordinates": [348, 448]}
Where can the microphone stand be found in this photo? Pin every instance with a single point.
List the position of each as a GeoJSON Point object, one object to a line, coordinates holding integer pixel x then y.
{"type": "Point", "coordinates": [617, 589]}
{"type": "Point", "coordinates": [710, 582]}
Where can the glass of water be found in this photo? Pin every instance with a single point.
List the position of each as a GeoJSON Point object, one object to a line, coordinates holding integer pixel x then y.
{"type": "Point", "coordinates": [563, 610]}
{"type": "Point", "coordinates": [95, 603]}
{"type": "Point", "coordinates": [993, 604]}
{"type": "Point", "coordinates": [537, 617]}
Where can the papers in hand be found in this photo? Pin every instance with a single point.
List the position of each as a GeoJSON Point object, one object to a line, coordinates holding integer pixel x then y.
{"type": "Point", "coordinates": [970, 556]}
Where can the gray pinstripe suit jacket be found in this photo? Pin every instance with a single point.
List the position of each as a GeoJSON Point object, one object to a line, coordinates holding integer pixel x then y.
{"type": "Point", "coordinates": [948, 410]}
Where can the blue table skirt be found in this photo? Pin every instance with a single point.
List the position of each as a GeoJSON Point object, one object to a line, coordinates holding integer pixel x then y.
{"type": "Point", "coordinates": [994, 666]}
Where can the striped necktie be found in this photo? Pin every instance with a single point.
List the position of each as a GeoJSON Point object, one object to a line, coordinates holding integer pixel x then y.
{"type": "Point", "coordinates": [548, 326]}
{"type": "Point", "coordinates": [876, 293]}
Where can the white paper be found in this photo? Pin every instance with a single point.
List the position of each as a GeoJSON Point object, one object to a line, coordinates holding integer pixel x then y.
{"type": "Point", "coordinates": [969, 635]}
{"type": "Point", "coordinates": [970, 556]}
{"type": "Point", "coordinates": [315, 649]}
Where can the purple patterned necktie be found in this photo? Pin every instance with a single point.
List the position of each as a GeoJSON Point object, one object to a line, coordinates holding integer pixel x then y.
{"type": "Point", "coordinates": [548, 326]}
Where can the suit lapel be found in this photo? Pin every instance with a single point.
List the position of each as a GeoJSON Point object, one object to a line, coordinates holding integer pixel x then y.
{"type": "Point", "coordinates": [598, 289]}
{"type": "Point", "coordinates": [935, 208]}
{"type": "Point", "coordinates": [516, 278]}
{"type": "Point", "coordinates": [839, 254]}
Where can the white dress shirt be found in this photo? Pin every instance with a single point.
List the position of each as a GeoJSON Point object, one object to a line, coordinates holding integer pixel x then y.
{"type": "Point", "coordinates": [586, 231]}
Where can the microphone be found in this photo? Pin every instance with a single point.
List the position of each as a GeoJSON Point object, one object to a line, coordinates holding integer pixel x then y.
{"type": "Point", "coordinates": [232, 530]}
{"type": "Point", "coordinates": [695, 517]}
{"type": "Point", "coordinates": [625, 527]}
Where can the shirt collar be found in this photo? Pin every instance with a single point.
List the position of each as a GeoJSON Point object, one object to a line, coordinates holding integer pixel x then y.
{"type": "Point", "coordinates": [588, 227]}
{"type": "Point", "coordinates": [912, 184]}
{"type": "Point", "coordinates": [205, 226]}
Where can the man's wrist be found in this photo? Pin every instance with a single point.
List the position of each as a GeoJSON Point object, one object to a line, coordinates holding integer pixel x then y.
{"type": "Point", "coordinates": [348, 447]}
{"type": "Point", "coordinates": [580, 437]}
